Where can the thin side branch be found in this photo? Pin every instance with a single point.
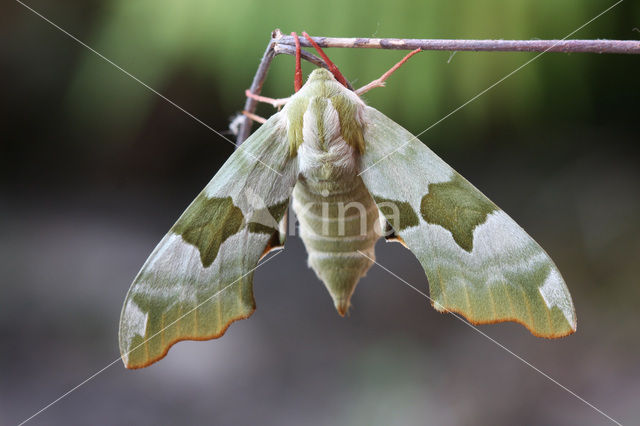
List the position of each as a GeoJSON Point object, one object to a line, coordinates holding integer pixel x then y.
{"type": "Point", "coordinates": [566, 46]}
{"type": "Point", "coordinates": [283, 49]}
{"type": "Point", "coordinates": [256, 87]}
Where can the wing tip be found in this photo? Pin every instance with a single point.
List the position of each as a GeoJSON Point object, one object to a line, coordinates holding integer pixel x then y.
{"type": "Point", "coordinates": [180, 339]}
{"type": "Point", "coordinates": [555, 335]}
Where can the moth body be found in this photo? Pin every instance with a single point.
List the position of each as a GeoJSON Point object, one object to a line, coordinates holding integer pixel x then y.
{"type": "Point", "coordinates": [337, 216]}
{"type": "Point", "coordinates": [336, 226]}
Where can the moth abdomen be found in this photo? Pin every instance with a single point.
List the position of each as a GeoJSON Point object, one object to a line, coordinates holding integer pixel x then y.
{"type": "Point", "coordinates": [338, 222]}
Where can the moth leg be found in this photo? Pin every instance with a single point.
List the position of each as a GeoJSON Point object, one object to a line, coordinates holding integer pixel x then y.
{"type": "Point", "coordinates": [332, 67]}
{"type": "Point", "coordinates": [254, 117]}
{"type": "Point", "coordinates": [275, 102]}
{"type": "Point", "coordinates": [380, 82]}
{"type": "Point", "coordinates": [297, 76]}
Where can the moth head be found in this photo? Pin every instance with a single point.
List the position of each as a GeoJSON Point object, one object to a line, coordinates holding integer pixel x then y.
{"type": "Point", "coordinates": [319, 75]}
{"type": "Point", "coordinates": [320, 100]}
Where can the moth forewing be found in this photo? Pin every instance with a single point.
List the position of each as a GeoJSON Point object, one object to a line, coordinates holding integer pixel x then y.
{"type": "Point", "coordinates": [198, 280]}
{"type": "Point", "coordinates": [478, 261]}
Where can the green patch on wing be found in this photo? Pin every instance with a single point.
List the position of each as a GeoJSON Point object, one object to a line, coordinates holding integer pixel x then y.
{"type": "Point", "coordinates": [399, 214]}
{"type": "Point", "coordinates": [296, 110]}
{"type": "Point", "coordinates": [207, 223]}
{"type": "Point", "coordinates": [272, 214]}
{"type": "Point", "coordinates": [458, 207]}
{"type": "Point", "coordinates": [259, 228]}
{"type": "Point", "coordinates": [350, 129]}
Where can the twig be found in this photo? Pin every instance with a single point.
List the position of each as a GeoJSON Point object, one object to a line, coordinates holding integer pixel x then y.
{"type": "Point", "coordinates": [284, 44]}
{"type": "Point", "coordinates": [566, 46]}
{"type": "Point", "coordinates": [256, 87]}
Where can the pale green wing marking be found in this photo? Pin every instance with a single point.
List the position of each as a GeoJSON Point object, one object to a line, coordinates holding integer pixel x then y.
{"type": "Point", "coordinates": [479, 262]}
{"type": "Point", "coordinates": [198, 280]}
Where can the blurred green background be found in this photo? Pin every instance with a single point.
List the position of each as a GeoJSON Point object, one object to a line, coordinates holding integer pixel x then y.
{"type": "Point", "coordinates": [94, 168]}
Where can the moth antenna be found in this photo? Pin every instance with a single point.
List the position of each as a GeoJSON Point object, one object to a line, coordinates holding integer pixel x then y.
{"type": "Point", "coordinates": [332, 67]}
{"type": "Point", "coordinates": [297, 77]}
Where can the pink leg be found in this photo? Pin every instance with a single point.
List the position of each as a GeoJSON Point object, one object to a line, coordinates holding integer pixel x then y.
{"type": "Point", "coordinates": [380, 82]}
{"type": "Point", "coordinates": [275, 102]}
{"type": "Point", "coordinates": [254, 117]}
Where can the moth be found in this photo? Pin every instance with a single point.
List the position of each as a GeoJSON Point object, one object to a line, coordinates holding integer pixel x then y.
{"type": "Point", "coordinates": [352, 174]}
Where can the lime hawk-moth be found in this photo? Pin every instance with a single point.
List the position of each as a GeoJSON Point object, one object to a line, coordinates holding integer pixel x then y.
{"type": "Point", "coordinates": [352, 175]}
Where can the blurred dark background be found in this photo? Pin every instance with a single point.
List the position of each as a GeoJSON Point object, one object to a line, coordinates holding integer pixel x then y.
{"type": "Point", "coordinates": [94, 169]}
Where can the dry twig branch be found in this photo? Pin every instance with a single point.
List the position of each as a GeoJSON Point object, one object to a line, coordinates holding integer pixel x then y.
{"type": "Point", "coordinates": [284, 44]}
{"type": "Point", "coordinates": [564, 46]}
